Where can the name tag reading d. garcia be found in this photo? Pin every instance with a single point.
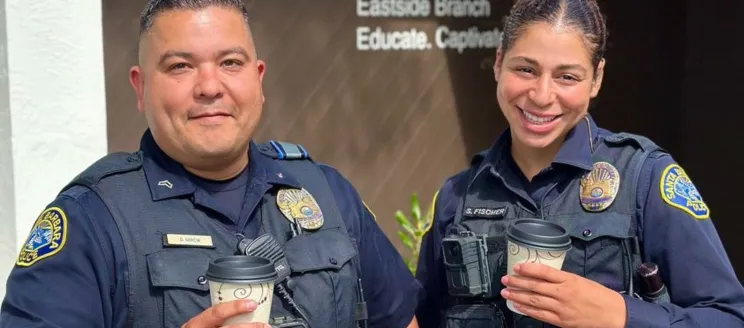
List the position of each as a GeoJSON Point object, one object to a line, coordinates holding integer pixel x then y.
{"type": "Point", "coordinates": [176, 240]}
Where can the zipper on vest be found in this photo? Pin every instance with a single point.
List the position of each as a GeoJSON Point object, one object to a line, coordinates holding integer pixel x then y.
{"type": "Point", "coordinates": [542, 200]}
{"type": "Point", "coordinates": [516, 192]}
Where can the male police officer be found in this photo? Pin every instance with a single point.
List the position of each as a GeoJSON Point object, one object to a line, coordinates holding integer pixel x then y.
{"type": "Point", "coordinates": [128, 241]}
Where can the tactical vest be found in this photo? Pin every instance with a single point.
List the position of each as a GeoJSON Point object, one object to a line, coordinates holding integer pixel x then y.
{"type": "Point", "coordinates": [166, 286]}
{"type": "Point", "coordinates": [605, 244]}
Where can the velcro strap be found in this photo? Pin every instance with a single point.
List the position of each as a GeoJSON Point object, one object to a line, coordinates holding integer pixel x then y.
{"type": "Point", "coordinates": [361, 311]}
{"type": "Point", "coordinates": [635, 246]}
{"type": "Point", "coordinates": [495, 243]}
{"type": "Point", "coordinates": [287, 150]}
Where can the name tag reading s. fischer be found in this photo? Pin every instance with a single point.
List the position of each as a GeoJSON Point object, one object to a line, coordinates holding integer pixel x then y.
{"type": "Point", "coordinates": [176, 240]}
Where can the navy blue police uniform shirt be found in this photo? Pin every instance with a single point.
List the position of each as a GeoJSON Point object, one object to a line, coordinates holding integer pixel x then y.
{"type": "Point", "coordinates": [695, 267]}
{"type": "Point", "coordinates": [82, 285]}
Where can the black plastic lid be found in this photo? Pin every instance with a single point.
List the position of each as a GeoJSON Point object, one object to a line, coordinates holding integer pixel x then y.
{"type": "Point", "coordinates": [241, 269]}
{"type": "Point", "coordinates": [539, 234]}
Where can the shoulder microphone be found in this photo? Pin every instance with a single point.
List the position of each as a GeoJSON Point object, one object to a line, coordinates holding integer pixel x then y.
{"type": "Point", "coordinates": [266, 246]}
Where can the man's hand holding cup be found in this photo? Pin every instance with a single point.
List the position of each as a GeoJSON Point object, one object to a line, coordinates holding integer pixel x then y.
{"type": "Point", "coordinates": [241, 289]}
{"type": "Point", "coordinates": [216, 315]}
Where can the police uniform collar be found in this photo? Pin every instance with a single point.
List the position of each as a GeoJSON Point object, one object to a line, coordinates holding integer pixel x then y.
{"type": "Point", "coordinates": [168, 178]}
{"type": "Point", "coordinates": [576, 150]}
{"type": "Point", "coordinates": [165, 177]}
{"type": "Point", "coordinates": [265, 168]}
{"type": "Point", "coordinates": [579, 145]}
{"type": "Point", "coordinates": [495, 157]}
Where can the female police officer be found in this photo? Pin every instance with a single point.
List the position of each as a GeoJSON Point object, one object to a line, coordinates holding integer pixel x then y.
{"type": "Point", "coordinates": [621, 199]}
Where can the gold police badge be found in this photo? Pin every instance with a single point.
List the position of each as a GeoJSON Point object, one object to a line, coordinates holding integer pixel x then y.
{"type": "Point", "coordinates": [599, 187]}
{"type": "Point", "coordinates": [299, 206]}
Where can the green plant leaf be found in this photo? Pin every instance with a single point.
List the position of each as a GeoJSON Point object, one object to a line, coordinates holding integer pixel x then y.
{"type": "Point", "coordinates": [404, 223]}
{"type": "Point", "coordinates": [405, 240]}
{"type": "Point", "coordinates": [411, 266]}
{"type": "Point", "coordinates": [415, 208]}
{"type": "Point", "coordinates": [412, 229]}
{"type": "Point", "coordinates": [401, 218]}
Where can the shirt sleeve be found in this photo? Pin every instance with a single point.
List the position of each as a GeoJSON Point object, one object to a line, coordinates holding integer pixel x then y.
{"type": "Point", "coordinates": [430, 268]}
{"type": "Point", "coordinates": [62, 277]}
{"type": "Point", "coordinates": [389, 287]}
{"type": "Point", "coordinates": [680, 237]}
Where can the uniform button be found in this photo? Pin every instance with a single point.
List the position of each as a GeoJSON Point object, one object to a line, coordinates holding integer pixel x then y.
{"type": "Point", "coordinates": [333, 261]}
{"type": "Point", "coordinates": [587, 233]}
{"type": "Point", "coordinates": [201, 280]}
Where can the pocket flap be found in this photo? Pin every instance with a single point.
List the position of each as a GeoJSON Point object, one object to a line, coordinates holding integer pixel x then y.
{"type": "Point", "coordinates": [589, 226]}
{"type": "Point", "coordinates": [180, 267]}
{"type": "Point", "coordinates": [480, 312]}
{"type": "Point", "coordinates": [320, 250]}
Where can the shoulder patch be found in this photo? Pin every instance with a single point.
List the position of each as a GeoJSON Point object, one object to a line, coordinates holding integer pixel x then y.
{"type": "Point", "coordinates": [678, 191]}
{"type": "Point", "coordinates": [47, 237]}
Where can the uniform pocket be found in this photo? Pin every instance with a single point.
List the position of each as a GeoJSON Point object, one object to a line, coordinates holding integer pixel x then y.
{"type": "Point", "coordinates": [474, 316]}
{"type": "Point", "coordinates": [597, 249]}
{"type": "Point", "coordinates": [177, 277]}
{"type": "Point", "coordinates": [323, 280]}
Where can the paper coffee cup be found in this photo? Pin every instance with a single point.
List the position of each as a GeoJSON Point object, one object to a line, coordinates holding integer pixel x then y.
{"type": "Point", "coordinates": [535, 241]}
{"type": "Point", "coordinates": [243, 277]}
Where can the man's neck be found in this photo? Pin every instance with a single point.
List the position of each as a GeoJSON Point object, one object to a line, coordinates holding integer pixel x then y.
{"type": "Point", "coordinates": [220, 171]}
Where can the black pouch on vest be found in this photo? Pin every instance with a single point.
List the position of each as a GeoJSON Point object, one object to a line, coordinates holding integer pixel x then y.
{"type": "Point", "coordinates": [474, 316]}
{"type": "Point", "coordinates": [176, 276]}
{"type": "Point", "coordinates": [603, 250]}
{"type": "Point", "coordinates": [285, 322]}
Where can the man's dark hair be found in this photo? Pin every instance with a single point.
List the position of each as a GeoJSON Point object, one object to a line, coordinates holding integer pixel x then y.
{"type": "Point", "coordinates": [156, 7]}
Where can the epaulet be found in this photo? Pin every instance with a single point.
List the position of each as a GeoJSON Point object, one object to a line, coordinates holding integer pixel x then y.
{"type": "Point", "coordinates": [283, 150]}
{"type": "Point", "coordinates": [113, 163]}
{"type": "Point", "coordinates": [621, 139]}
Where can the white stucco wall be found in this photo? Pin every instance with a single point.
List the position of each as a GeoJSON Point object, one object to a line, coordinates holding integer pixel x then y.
{"type": "Point", "coordinates": [52, 108]}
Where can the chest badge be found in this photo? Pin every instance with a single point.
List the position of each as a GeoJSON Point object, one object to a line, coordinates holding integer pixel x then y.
{"type": "Point", "coordinates": [599, 187]}
{"type": "Point", "coordinates": [299, 206]}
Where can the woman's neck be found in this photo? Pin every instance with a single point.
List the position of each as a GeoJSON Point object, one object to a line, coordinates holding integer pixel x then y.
{"type": "Point", "coordinates": [533, 160]}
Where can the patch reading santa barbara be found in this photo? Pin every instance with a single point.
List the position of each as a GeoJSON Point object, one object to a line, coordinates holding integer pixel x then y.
{"type": "Point", "coordinates": [47, 237]}
{"type": "Point", "coordinates": [678, 191]}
